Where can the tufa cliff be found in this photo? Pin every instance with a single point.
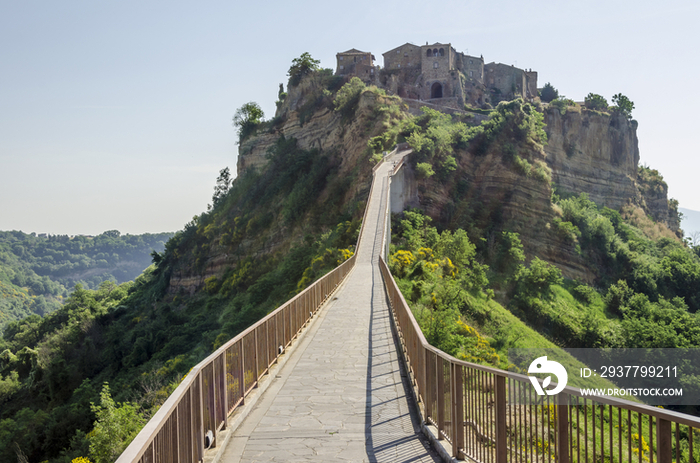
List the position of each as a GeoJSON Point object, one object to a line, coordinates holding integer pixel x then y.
{"type": "Point", "coordinates": [501, 181]}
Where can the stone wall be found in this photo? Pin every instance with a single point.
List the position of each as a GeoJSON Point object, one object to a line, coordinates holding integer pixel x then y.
{"type": "Point", "coordinates": [352, 61]}
{"type": "Point", "coordinates": [405, 56]}
{"type": "Point", "coordinates": [471, 66]}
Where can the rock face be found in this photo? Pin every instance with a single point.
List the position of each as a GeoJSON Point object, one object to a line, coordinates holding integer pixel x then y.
{"type": "Point", "coordinates": [587, 152]}
{"type": "Point", "coordinates": [593, 153]}
{"type": "Point", "coordinates": [319, 129]}
{"type": "Point", "coordinates": [307, 116]}
{"type": "Point", "coordinates": [598, 154]}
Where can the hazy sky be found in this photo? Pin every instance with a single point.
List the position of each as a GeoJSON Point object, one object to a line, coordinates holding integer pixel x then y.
{"type": "Point", "coordinates": [117, 115]}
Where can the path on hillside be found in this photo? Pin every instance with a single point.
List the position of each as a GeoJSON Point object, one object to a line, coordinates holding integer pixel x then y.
{"type": "Point", "coordinates": [341, 395]}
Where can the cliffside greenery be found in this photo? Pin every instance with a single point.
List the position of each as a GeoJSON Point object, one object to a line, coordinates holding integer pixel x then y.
{"type": "Point", "coordinates": [281, 228]}
{"type": "Point", "coordinates": [549, 93]}
{"type": "Point", "coordinates": [302, 66]}
{"type": "Point", "coordinates": [623, 105]}
{"type": "Point", "coordinates": [596, 102]}
{"type": "Point", "coordinates": [269, 233]}
{"type": "Point", "coordinates": [38, 272]}
{"type": "Point", "coordinates": [248, 119]}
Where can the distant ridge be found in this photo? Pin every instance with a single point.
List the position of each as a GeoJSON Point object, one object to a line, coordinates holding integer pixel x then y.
{"type": "Point", "coordinates": [690, 221]}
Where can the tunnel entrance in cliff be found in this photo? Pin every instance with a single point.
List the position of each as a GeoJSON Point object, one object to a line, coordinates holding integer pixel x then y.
{"type": "Point", "coordinates": [436, 90]}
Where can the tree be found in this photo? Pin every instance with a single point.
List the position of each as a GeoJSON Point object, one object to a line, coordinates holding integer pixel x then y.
{"type": "Point", "coordinates": [596, 102]}
{"type": "Point", "coordinates": [300, 67]}
{"type": "Point", "coordinates": [549, 93]}
{"type": "Point", "coordinates": [115, 427]}
{"type": "Point", "coordinates": [623, 105]}
{"type": "Point", "coordinates": [223, 184]}
{"type": "Point", "coordinates": [247, 118]}
{"type": "Point", "coordinates": [349, 95]}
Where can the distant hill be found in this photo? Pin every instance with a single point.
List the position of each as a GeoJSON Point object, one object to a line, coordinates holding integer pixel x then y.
{"type": "Point", "coordinates": [37, 272]}
{"type": "Point", "coordinates": [690, 221]}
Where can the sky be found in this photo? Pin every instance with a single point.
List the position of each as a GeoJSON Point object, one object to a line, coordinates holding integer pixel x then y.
{"type": "Point", "coordinates": [117, 115]}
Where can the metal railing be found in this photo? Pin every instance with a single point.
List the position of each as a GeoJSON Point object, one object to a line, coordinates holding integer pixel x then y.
{"type": "Point", "coordinates": [493, 416]}
{"type": "Point", "coordinates": [220, 383]}
{"type": "Point", "coordinates": [190, 419]}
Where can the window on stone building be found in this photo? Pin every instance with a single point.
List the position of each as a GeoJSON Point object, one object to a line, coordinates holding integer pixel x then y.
{"type": "Point", "coordinates": [471, 62]}
{"type": "Point", "coordinates": [435, 51]}
{"type": "Point", "coordinates": [442, 52]}
{"type": "Point", "coordinates": [342, 67]}
{"type": "Point", "coordinates": [435, 65]}
{"type": "Point", "coordinates": [405, 54]}
{"type": "Point", "coordinates": [429, 53]}
{"type": "Point", "coordinates": [471, 73]}
{"type": "Point", "coordinates": [341, 58]}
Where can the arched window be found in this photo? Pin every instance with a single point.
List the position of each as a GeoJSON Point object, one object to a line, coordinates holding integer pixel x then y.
{"type": "Point", "coordinates": [429, 52]}
{"type": "Point", "coordinates": [442, 52]}
{"type": "Point", "coordinates": [435, 52]}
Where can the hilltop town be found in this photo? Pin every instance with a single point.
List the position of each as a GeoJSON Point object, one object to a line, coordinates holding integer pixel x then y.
{"type": "Point", "coordinates": [439, 74]}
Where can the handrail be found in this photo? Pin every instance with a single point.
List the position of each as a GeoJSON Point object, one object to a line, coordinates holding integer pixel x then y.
{"type": "Point", "coordinates": [491, 415]}
{"type": "Point", "coordinates": [499, 419]}
{"type": "Point", "coordinates": [220, 383]}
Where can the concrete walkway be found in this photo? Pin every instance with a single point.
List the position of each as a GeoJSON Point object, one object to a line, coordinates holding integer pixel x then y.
{"type": "Point", "coordinates": [341, 395]}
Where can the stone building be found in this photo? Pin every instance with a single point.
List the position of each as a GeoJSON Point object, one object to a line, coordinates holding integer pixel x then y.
{"type": "Point", "coordinates": [440, 74]}
{"type": "Point", "coordinates": [510, 82]}
{"type": "Point", "coordinates": [356, 63]}
{"type": "Point", "coordinates": [402, 57]}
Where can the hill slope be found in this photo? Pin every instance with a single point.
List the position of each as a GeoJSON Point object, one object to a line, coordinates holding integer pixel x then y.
{"type": "Point", "coordinates": [37, 272]}
{"type": "Point", "coordinates": [294, 212]}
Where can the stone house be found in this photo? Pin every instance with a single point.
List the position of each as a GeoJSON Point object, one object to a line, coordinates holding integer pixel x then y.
{"type": "Point", "coordinates": [440, 74]}
{"type": "Point", "coordinates": [356, 63]}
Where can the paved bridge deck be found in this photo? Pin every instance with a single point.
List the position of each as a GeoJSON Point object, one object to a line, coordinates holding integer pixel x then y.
{"type": "Point", "coordinates": [341, 395]}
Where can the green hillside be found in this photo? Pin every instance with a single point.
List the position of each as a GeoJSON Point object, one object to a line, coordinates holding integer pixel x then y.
{"type": "Point", "coordinates": [38, 272]}
{"type": "Point", "coordinates": [495, 256]}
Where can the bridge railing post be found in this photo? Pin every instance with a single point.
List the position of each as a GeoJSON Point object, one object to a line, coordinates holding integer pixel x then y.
{"type": "Point", "coordinates": [664, 452]}
{"type": "Point", "coordinates": [563, 428]}
{"type": "Point", "coordinates": [501, 444]}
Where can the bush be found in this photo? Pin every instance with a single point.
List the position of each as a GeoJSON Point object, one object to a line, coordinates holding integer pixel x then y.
{"type": "Point", "coordinates": [115, 428]}
{"type": "Point", "coordinates": [548, 93]}
{"type": "Point", "coordinates": [247, 119]}
{"type": "Point", "coordinates": [563, 104]}
{"type": "Point", "coordinates": [425, 170]}
{"type": "Point", "coordinates": [623, 105]}
{"type": "Point", "coordinates": [596, 102]}
{"type": "Point", "coordinates": [348, 96]}
{"type": "Point", "coordinates": [301, 66]}
{"type": "Point", "coordinates": [538, 278]}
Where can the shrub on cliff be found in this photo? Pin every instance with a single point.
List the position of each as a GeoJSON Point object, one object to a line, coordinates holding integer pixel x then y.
{"type": "Point", "coordinates": [247, 119]}
{"type": "Point", "coordinates": [623, 105]}
{"type": "Point", "coordinates": [596, 102]}
{"type": "Point", "coordinates": [348, 96]}
{"type": "Point", "coordinates": [549, 93]}
{"type": "Point", "coordinates": [301, 66]}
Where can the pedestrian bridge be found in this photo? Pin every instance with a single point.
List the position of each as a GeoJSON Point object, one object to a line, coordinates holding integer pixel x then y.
{"type": "Point", "coordinates": [341, 372]}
